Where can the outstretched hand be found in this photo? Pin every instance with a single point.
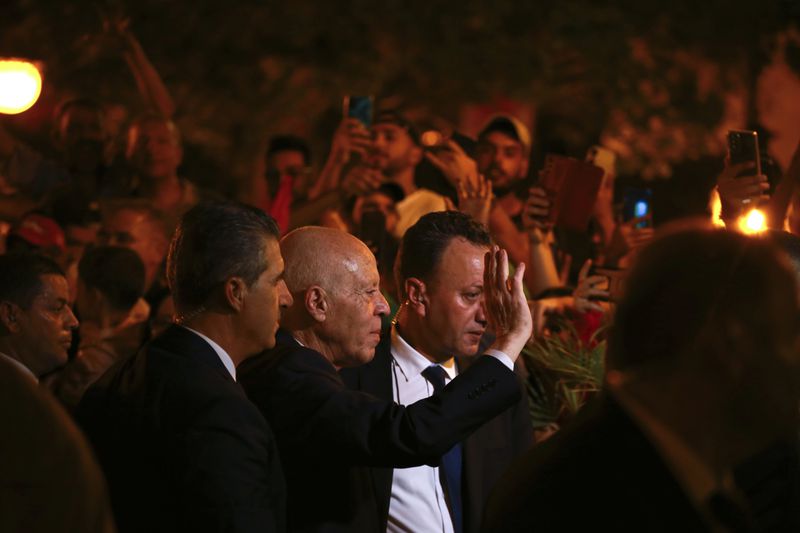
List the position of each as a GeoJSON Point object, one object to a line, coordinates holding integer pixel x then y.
{"type": "Point", "coordinates": [455, 164]}
{"type": "Point", "coordinates": [506, 305]}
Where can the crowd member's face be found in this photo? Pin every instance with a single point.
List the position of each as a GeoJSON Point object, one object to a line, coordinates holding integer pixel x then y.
{"type": "Point", "coordinates": [352, 327]}
{"type": "Point", "coordinates": [154, 150]}
{"type": "Point", "coordinates": [501, 159]}
{"type": "Point", "coordinates": [45, 328]}
{"type": "Point", "coordinates": [395, 151]}
{"type": "Point", "coordinates": [135, 230]}
{"type": "Point", "coordinates": [266, 297]}
{"type": "Point", "coordinates": [455, 317]}
{"type": "Point", "coordinates": [82, 139]}
{"type": "Point", "coordinates": [289, 163]}
{"type": "Point", "coordinates": [376, 201]}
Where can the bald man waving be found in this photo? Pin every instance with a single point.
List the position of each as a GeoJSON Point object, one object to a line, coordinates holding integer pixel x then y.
{"type": "Point", "coordinates": [329, 435]}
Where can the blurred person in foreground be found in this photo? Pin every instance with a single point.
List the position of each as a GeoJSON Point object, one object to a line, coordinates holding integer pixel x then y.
{"type": "Point", "coordinates": [703, 374]}
{"type": "Point", "coordinates": [181, 446]}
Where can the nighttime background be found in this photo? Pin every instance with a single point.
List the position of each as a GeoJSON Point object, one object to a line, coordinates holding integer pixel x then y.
{"type": "Point", "coordinates": [658, 82]}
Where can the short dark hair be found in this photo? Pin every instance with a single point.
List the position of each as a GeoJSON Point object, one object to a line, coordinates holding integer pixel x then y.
{"type": "Point", "coordinates": [702, 292]}
{"type": "Point", "coordinates": [284, 143]}
{"type": "Point", "coordinates": [20, 276]}
{"type": "Point", "coordinates": [116, 272]}
{"type": "Point", "coordinates": [213, 242]}
{"type": "Point", "coordinates": [424, 243]}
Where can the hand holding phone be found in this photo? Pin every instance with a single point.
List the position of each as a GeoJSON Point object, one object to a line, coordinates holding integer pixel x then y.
{"type": "Point", "coordinates": [360, 108]}
{"type": "Point", "coordinates": [743, 148]}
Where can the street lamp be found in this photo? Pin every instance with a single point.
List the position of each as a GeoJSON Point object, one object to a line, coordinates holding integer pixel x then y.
{"type": "Point", "coordinates": [20, 85]}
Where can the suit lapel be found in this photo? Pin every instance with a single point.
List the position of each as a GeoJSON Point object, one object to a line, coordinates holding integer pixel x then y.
{"type": "Point", "coordinates": [181, 341]}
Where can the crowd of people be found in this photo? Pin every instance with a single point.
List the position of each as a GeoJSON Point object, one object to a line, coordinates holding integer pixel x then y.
{"type": "Point", "coordinates": [340, 351]}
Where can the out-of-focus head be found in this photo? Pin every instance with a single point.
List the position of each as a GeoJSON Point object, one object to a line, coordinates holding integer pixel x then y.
{"type": "Point", "coordinates": [287, 157]}
{"type": "Point", "coordinates": [109, 278]}
{"type": "Point", "coordinates": [224, 259]}
{"type": "Point", "coordinates": [383, 200]}
{"type": "Point", "coordinates": [154, 147]}
{"type": "Point", "coordinates": [136, 225]}
{"type": "Point", "coordinates": [36, 323]}
{"type": "Point", "coordinates": [504, 146]}
{"type": "Point", "coordinates": [334, 281]}
{"type": "Point", "coordinates": [439, 273]}
{"type": "Point", "coordinates": [396, 143]}
{"type": "Point", "coordinates": [718, 307]}
{"type": "Point", "coordinates": [37, 233]}
{"type": "Point", "coordinates": [79, 132]}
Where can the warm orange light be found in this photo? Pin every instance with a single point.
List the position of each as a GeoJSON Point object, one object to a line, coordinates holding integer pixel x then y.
{"type": "Point", "coordinates": [431, 138]}
{"type": "Point", "coordinates": [753, 222]}
{"type": "Point", "coordinates": [716, 209]}
{"type": "Point", "coordinates": [20, 86]}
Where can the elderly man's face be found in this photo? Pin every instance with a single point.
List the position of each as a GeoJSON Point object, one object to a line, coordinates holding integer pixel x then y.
{"type": "Point", "coordinates": [353, 325]}
{"type": "Point", "coordinates": [45, 327]}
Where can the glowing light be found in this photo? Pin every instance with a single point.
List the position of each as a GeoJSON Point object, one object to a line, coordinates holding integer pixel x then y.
{"type": "Point", "coordinates": [431, 138]}
{"type": "Point", "coordinates": [753, 222]}
{"type": "Point", "coordinates": [716, 209]}
{"type": "Point", "coordinates": [20, 86]}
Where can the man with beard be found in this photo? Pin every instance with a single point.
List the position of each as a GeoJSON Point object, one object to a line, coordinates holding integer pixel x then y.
{"type": "Point", "coordinates": [396, 154]}
{"type": "Point", "coordinates": [504, 146]}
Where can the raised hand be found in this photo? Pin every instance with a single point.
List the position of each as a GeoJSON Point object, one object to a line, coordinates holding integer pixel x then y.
{"type": "Point", "coordinates": [352, 136]}
{"type": "Point", "coordinates": [535, 214]}
{"type": "Point", "coordinates": [455, 164]}
{"type": "Point", "coordinates": [590, 287]}
{"type": "Point", "coordinates": [506, 306]}
{"type": "Point", "coordinates": [362, 179]}
{"type": "Point", "coordinates": [736, 194]}
{"type": "Point", "coordinates": [475, 200]}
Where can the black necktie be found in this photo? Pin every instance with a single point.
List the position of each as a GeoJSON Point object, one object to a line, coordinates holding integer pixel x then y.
{"type": "Point", "coordinates": [450, 464]}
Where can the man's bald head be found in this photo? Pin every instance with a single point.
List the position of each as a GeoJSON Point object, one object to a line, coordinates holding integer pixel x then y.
{"type": "Point", "coordinates": [335, 285]}
{"type": "Point", "coordinates": [321, 256]}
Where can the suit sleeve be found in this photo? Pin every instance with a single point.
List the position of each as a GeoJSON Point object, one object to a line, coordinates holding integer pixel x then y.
{"type": "Point", "coordinates": [233, 479]}
{"type": "Point", "coordinates": [312, 412]}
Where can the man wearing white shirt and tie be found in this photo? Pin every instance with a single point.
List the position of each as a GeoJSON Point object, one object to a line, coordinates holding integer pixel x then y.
{"type": "Point", "coordinates": [436, 334]}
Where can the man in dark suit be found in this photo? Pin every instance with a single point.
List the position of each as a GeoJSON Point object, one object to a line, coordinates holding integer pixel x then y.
{"type": "Point", "coordinates": [440, 275]}
{"type": "Point", "coordinates": [182, 447]}
{"type": "Point", "coordinates": [328, 434]}
{"type": "Point", "coordinates": [703, 375]}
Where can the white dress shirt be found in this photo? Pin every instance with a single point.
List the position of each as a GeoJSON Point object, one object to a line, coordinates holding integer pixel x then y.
{"type": "Point", "coordinates": [417, 503]}
{"type": "Point", "coordinates": [222, 354]}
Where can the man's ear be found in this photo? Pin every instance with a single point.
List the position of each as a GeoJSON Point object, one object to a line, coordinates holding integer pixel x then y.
{"type": "Point", "coordinates": [9, 316]}
{"type": "Point", "coordinates": [417, 298]}
{"type": "Point", "coordinates": [235, 293]}
{"type": "Point", "coordinates": [316, 302]}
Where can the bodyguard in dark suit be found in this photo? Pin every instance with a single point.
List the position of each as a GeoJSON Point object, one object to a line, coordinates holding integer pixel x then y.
{"type": "Point", "coordinates": [703, 378]}
{"type": "Point", "coordinates": [328, 434]}
{"type": "Point", "coordinates": [440, 274]}
{"type": "Point", "coordinates": [182, 447]}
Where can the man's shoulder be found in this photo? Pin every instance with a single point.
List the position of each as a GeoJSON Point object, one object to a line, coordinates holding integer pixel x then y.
{"type": "Point", "coordinates": [288, 357]}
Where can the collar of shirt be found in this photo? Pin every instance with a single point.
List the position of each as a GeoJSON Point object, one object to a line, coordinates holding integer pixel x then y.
{"type": "Point", "coordinates": [222, 354]}
{"type": "Point", "coordinates": [24, 369]}
{"type": "Point", "coordinates": [410, 362]}
{"type": "Point", "coordinates": [694, 475]}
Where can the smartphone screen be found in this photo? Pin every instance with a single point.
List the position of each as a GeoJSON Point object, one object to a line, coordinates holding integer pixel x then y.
{"type": "Point", "coordinates": [743, 148]}
{"type": "Point", "coordinates": [637, 203]}
{"type": "Point", "coordinates": [360, 108]}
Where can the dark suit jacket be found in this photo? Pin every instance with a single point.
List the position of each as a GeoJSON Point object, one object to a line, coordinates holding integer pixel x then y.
{"type": "Point", "coordinates": [182, 447]}
{"type": "Point", "coordinates": [327, 434]}
{"type": "Point", "coordinates": [599, 473]}
{"type": "Point", "coordinates": [486, 453]}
